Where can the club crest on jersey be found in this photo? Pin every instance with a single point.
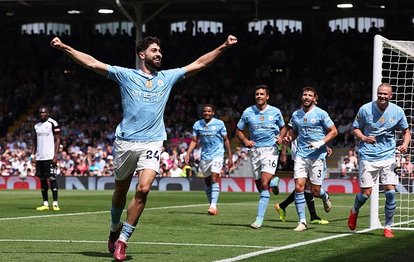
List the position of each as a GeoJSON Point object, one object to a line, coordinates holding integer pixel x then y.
{"type": "Point", "coordinates": [270, 118]}
{"type": "Point", "coordinates": [391, 120]}
{"type": "Point", "coordinates": [313, 120]}
{"type": "Point", "coordinates": [261, 118]}
{"type": "Point", "coordinates": [305, 120]}
{"type": "Point", "coordinates": [148, 84]}
{"type": "Point", "coordinates": [160, 82]}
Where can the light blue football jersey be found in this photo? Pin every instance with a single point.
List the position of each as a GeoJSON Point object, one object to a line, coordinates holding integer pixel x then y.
{"type": "Point", "coordinates": [264, 126]}
{"type": "Point", "coordinates": [382, 125]}
{"type": "Point", "coordinates": [210, 136]}
{"type": "Point", "coordinates": [310, 126]}
{"type": "Point", "coordinates": [144, 98]}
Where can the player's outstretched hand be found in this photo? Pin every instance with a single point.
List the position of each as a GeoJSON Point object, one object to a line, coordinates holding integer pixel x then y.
{"type": "Point", "coordinates": [231, 40]}
{"type": "Point", "coordinates": [57, 43]}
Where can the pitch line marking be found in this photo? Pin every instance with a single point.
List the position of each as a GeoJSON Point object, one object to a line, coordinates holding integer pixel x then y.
{"type": "Point", "coordinates": [291, 246]}
{"type": "Point", "coordinates": [93, 213]}
{"type": "Point", "coordinates": [107, 211]}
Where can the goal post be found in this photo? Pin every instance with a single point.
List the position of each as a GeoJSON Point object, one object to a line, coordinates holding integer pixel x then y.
{"type": "Point", "coordinates": [393, 63]}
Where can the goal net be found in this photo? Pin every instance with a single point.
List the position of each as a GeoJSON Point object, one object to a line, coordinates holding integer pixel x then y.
{"type": "Point", "coordinates": [394, 64]}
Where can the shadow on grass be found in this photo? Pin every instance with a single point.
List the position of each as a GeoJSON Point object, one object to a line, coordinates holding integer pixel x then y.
{"type": "Point", "coordinates": [189, 213]}
{"type": "Point", "coordinates": [92, 254]}
{"type": "Point", "coordinates": [381, 249]}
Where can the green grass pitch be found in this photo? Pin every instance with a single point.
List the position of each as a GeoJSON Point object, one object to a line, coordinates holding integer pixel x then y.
{"type": "Point", "coordinates": [175, 227]}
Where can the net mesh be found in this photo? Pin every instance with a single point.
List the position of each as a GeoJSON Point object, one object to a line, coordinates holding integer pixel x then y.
{"type": "Point", "coordinates": [398, 70]}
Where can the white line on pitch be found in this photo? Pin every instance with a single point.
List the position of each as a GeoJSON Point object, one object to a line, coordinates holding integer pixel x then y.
{"type": "Point", "coordinates": [107, 211]}
{"type": "Point", "coordinates": [133, 242]}
{"type": "Point", "coordinates": [93, 213]}
{"type": "Point", "coordinates": [275, 249]}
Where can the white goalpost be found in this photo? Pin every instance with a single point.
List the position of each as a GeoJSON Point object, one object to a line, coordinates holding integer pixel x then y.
{"type": "Point", "coordinates": [394, 64]}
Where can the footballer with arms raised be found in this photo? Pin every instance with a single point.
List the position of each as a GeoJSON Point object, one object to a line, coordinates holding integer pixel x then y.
{"type": "Point", "coordinates": [140, 135]}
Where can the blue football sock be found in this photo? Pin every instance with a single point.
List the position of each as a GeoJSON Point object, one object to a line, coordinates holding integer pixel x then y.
{"type": "Point", "coordinates": [300, 203]}
{"type": "Point", "coordinates": [208, 193]}
{"type": "Point", "coordinates": [263, 202]}
{"type": "Point", "coordinates": [360, 200]}
{"type": "Point", "coordinates": [274, 181]}
{"type": "Point", "coordinates": [323, 195]}
{"type": "Point", "coordinates": [215, 192]}
{"type": "Point", "coordinates": [390, 205]}
{"type": "Point", "coordinates": [126, 232]}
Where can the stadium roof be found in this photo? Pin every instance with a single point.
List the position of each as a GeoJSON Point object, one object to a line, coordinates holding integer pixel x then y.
{"type": "Point", "coordinates": [32, 10]}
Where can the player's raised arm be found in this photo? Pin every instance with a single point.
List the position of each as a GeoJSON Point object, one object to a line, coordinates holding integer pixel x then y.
{"type": "Point", "coordinates": [206, 60]}
{"type": "Point", "coordinates": [83, 59]}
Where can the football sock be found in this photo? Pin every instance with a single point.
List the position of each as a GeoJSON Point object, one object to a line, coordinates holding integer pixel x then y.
{"type": "Point", "coordinates": [55, 203]}
{"type": "Point", "coordinates": [360, 200]}
{"type": "Point", "coordinates": [215, 192]}
{"type": "Point", "coordinates": [126, 232]}
{"type": "Point", "coordinates": [300, 205]}
{"type": "Point", "coordinates": [46, 203]}
{"type": "Point", "coordinates": [54, 187]}
{"type": "Point", "coordinates": [390, 205]}
{"type": "Point", "coordinates": [311, 205]}
{"type": "Point", "coordinates": [263, 202]}
{"type": "Point", "coordinates": [289, 200]}
{"type": "Point", "coordinates": [323, 195]}
{"type": "Point", "coordinates": [115, 218]}
{"type": "Point", "coordinates": [44, 189]}
{"type": "Point", "coordinates": [208, 193]}
{"type": "Point", "coordinates": [273, 182]}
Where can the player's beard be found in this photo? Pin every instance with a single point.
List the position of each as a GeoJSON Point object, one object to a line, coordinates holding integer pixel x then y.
{"type": "Point", "coordinates": [307, 105]}
{"type": "Point", "coordinates": [155, 65]}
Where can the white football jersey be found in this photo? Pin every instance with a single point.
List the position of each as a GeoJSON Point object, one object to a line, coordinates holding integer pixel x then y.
{"type": "Point", "coordinates": [45, 132]}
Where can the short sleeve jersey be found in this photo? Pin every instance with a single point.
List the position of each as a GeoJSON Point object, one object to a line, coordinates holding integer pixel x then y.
{"type": "Point", "coordinates": [382, 125]}
{"type": "Point", "coordinates": [45, 139]}
{"type": "Point", "coordinates": [144, 98]}
{"type": "Point", "coordinates": [310, 126]}
{"type": "Point", "coordinates": [264, 126]}
{"type": "Point", "coordinates": [210, 136]}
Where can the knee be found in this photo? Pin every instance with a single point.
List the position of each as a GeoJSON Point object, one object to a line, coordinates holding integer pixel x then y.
{"type": "Point", "coordinates": [299, 188]}
{"type": "Point", "coordinates": [142, 191]}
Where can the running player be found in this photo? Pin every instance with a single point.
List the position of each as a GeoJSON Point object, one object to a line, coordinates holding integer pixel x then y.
{"type": "Point", "coordinates": [313, 128]}
{"type": "Point", "coordinates": [266, 128]}
{"type": "Point", "coordinates": [140, 135]}
{"type": "Point", "coordinates": [211, 134]}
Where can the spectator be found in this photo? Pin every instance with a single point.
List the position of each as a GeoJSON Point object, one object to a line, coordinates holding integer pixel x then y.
{"type": "Point", "coordinates": [346, 168]}
{"type": "Point", "coordinates": [175, 171]}
{"type": "Point", "coordinates": [407, 167]}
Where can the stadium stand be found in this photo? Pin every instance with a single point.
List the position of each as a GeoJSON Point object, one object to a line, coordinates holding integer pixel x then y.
{"type": "Point", "coordinates": [87, 106]}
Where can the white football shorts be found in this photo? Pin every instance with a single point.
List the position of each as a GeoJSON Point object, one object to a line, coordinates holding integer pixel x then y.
{"type": "Point", "coordinates": [131, 156]}
{"type": "Point", "coordinates": [214, 165]}
{"type": "Point", "coordinates": [369, 171]}
{"type": "Point", "coordinates": [314, 169]}
{"type": "Point", "coordinates": [264, 159]}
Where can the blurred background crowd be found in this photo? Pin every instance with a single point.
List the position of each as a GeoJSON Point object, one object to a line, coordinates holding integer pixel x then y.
{"type": "Point", "coordinates": [88, 107]}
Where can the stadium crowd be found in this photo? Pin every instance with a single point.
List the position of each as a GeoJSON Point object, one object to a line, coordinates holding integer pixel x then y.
{"type": "Point", "coordinates": [88, 107]}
